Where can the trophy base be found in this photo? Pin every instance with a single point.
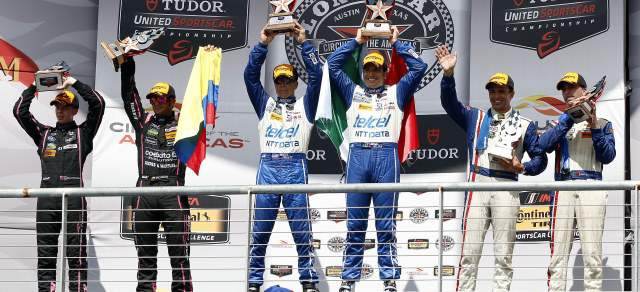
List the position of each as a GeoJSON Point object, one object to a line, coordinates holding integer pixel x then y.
{"type": "Point", "coordinates": [500, 153]}
{"type": "Point", "coordinates": [48, 80]}
{"type": "Point", "coordinates": [280, 23]}
{"type": "Point", "coordinates": [580, 113]}
{"type": "Point", "coordinates": [114, 54]}
{"type": "Point", "coordinates": [377, 29]}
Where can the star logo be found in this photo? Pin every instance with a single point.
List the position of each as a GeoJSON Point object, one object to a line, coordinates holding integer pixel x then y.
{"type": "Point", "coordinates": [379, 10]}
{"type": "Point", "coordinates": [281, 6]}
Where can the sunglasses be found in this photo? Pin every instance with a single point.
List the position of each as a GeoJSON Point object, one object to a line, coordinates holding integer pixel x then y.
{"type": "Point", "coordinates": [284, 81]}
{"type": "Point", "coordinates": [158, 99]}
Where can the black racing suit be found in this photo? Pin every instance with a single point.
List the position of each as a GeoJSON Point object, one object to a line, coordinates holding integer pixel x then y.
{"type": "Point", "coordinates": [158, 165]}
{"type": "Point", "coordinates": [62, 150]}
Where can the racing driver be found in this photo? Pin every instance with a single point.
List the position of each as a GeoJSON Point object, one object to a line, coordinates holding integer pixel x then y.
{"type": "Point", "coordinates": [489, 134]}
{"type": "Point", "coordinates": [374, 119]}
{"type": "Point", "coordinates": [63, 150]}
{"type": "Point", "coordinates": [284, 126]}
{"type": "Point", "coordinates": [158, 165]}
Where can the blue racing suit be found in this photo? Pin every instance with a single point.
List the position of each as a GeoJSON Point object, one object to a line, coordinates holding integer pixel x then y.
{"type": "Point", "coordinates": [285, 127]}
{"type": "Point", "coordinates": [374, 118]}
{"type": "Point", "coordinates": [581, 152]}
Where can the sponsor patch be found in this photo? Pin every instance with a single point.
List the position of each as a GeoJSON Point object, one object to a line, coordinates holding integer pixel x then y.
{"type": "Point", "coordinates": [446, 271]}
{"type": "Point", "coordinates": [333, 271]}
{"type": "Point", "coordinates": [336, 244]}
{"type": "Point", "coordinates": [281, 270]}
{"type": "Point", "coordinates": [448, 214]}
{"type": "Point", "coordinates": [421, 243]}
{"type": "Point", "coordinates": [419, 215]}
{"type": "Point", "coordinates": [446, 244]}
{"type": "Point", "coordinates": [337, 216]}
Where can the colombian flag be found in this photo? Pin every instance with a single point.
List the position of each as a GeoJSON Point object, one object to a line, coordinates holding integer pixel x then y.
{"type": "Point", "coordinates": [198, 112]}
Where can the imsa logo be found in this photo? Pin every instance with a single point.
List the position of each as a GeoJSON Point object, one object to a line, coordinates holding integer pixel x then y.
{"type": "Point", "coordinates": [281, 270]}
{"type": "Point", "coordinates": [425, 24]}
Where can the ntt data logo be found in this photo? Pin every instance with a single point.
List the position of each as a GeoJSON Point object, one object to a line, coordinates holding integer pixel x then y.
{"type": "Point", "coordinates": [425, 24]}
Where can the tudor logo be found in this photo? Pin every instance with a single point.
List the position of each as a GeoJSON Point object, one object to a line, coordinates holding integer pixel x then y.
{"type": "Point", "coordinates": [425, 24]}
{"type": "Point", "coordinates": [152, 5]}
{"type": "Point", "coordinates": [547, 26]}
{"type": "Point", "coordinates": [188, 24]}
{"type": "Point", "coordinates": [433, 136]}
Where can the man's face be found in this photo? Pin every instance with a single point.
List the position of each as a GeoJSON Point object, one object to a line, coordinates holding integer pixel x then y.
{"type": "Point", "coordinates": [500, 97]}
{"type": "Point", "coordinates": [65, 113]}
{"type": "Point", "coordinates": [162, 104]}
{"type": "Point", "coordinates": [373, 75]}
{"type": "Point", "coordinates": [285, 87]}
{"type": "Point", "coordinates": [571, 91]}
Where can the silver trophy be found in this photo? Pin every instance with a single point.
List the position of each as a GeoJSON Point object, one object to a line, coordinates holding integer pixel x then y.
{"type": "Point", "coordinates": [281, 18]}
{"type": "Point", "coordinates": [51, 79]}
{"type": "Point", "coordinates": [582, 111]}
{"type": "Point", "coordinates": [505, 137]}
{"type": "Point", "coordinates": [137, 44]}
{"type": "Point", "coordinates": [378, 25]}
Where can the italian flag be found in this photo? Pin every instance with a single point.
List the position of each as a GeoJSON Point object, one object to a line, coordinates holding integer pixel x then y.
{"type": "Point", "coordinates": [331, 115]}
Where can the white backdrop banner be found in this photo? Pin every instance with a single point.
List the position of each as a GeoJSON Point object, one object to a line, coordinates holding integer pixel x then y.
{"type": "Point", "coordinates": [233, 153]}
{"type": "Point", "coordinates": [536, 42]}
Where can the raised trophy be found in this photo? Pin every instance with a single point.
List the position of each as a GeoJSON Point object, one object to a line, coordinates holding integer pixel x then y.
{"type": "Point", "coordinates": [130, 46]}
{"type": "Point", "coordinates": [281, 18]}
{"type": "Point", "coordinates": [378, 24]}
{"type": "Point", "coordinates": [582, 111]}
{"type": "Point", "coordinates": [51, 78]}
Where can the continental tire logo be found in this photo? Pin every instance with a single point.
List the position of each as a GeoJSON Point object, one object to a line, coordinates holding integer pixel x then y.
{"type": "Point", "coordinates": [446, 271]}
{"type": "Point", "coordinates": [425, 24]}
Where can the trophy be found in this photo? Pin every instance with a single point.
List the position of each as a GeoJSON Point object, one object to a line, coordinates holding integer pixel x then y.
{"type": "Point", "coordinates": [508, 135]}
{"type": "Point", "coordinates": [281, 18]}
{"type": "Point", "coordinates": [378, 25]}
{"type": "Point", "coordinates": [51, 78]}
{"type": "Point", "coordinates": [582, 111]}
{"type": "Point", "coordinates": [137, 44]}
